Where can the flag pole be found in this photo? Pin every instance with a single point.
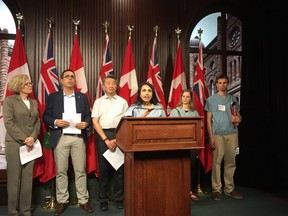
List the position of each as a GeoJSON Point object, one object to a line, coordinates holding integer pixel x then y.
{"type": "Point", "coordinates": [199, 190]}
{"type": "Point", "coordinates": [76, 22]}
{"type": "Point", "coordinates": [106, 26]}
{"type": "Point", "coordinates": [156, 29]}
{"type": "Point", "coordinates": [130, 29]}
{"type": "Point", "coordinates": [50, 201]}
{"type": "Point", "coordinates": [19, 17]}
{"type": "Point", "coordinates": [178, 32]}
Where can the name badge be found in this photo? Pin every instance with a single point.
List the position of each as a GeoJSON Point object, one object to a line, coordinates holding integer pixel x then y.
{"type": "Point", "coordinates": [221, 108]}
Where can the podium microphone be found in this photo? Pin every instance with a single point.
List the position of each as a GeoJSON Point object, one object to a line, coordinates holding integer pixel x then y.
{"type": "Point", "coordinates": [150, 110]}
{"type": "Point", "coordinates": [133, 110]}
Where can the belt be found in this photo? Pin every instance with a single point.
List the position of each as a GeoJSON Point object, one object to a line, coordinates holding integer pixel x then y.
{"type": "Point", "coordinates": [110, 129]}
{"type": "Point", "coordinates": [75, 135]}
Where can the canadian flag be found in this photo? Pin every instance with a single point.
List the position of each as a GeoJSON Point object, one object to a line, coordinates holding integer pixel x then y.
{"type": "Point", "coordinates": [178, 80]}
{"type": "Point", "coordinates": [76, 64]}
{"type": "Point", "coordinates": [18, 65]}
{"type": "Point", "coordinates": [18, 62]}
{"type": "Point", "coordinates": [128, 85]}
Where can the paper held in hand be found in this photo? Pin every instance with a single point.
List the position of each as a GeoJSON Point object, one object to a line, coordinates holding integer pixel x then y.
{"type": "Point", "coordinates": [115, 158]}
{"type": "Point", "coordinates": [26, 156]}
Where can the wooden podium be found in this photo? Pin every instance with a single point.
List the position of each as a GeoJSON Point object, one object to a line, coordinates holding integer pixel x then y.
{"type": "Point", "coordinates": [157, 164]}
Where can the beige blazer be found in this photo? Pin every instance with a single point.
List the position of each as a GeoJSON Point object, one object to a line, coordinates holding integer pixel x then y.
{"type": "Point", "coordinates": [20, 122]}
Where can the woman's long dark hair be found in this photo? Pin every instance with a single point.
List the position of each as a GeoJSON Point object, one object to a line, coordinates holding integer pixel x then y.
{"type": "Point", "coordinates": [139, 101]}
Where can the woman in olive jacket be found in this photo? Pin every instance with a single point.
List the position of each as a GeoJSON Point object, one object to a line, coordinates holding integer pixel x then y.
{"type": "Point", "coordinates": [22, 123]}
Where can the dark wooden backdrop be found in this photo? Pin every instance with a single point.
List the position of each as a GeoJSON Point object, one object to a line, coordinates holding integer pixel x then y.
{"type": "Point", "coordinates": [142, 14]}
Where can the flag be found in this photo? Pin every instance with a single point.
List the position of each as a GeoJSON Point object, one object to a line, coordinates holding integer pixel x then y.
{"type": "Point", "coordinates": [128, 85]}
{"type": "Point", "coordinates": [76, 64]}
{"type": "Point", "coordinates": [200, 94]}
{"type": "Point", "coordinates": [178, 80]}
{"type": "Point", "coordinates": [18, 65]}
{"type": "Point", "coordinates": [47, 84]}
{"type": "Point", "coordinates": [107, 68]}
{"type": "Point", "coordinates": [154, 76]}
{"type": "Point", "coordinates": [18, 62]}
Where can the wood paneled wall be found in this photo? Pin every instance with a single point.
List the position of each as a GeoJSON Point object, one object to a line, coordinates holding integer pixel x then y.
{"type": "Point", "coordinates": [143, 14]}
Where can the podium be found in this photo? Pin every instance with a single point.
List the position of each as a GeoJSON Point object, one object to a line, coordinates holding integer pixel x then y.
{"type": "Point", "coordinates": [157, 163]}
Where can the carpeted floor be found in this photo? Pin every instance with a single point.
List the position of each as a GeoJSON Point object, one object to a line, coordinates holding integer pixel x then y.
{"type": "Point", "coordinates": [255, 203]}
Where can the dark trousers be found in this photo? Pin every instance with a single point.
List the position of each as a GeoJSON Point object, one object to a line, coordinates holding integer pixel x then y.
{"type": "Point", "coordinates": [106, 172]}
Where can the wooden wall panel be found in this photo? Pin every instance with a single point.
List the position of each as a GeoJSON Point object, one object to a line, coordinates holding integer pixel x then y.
{"type": "Point", "coordinates": [143, 14]}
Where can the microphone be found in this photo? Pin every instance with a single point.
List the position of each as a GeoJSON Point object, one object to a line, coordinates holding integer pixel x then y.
{"type": "Point", "coordinates": [140, 108]}
{"type": "Point", "coordinates": [133, 110]}
{"type": "Point", "coordinates": [163, 112]}
{"type": "Point", "coordinates": [153, 112]}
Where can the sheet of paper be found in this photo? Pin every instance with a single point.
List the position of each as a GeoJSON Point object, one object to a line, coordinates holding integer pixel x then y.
{"type": "Point", "coordinates": [73, 119]}
{"type": "Point", "coordinates": [3, 163]}
{"type": "Point", "coordinates": [115, 158]}
{"type": "Point", "coordinates": [26, 156]}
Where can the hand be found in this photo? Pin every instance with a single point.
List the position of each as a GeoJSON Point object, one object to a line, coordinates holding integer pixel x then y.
{"type": "Point", "coordinates": [62, 123]}
{"type": "Point", "coordinates": [81, 125]}
{"type": "Point", "coordinates": [29, 141]}
{"type": "Point", "coordinates": [236, 119]}
{"type": "Point", "coordinates": [111, 144]}
{"type": "Point", "coordinates": [30, 148]}
{"type": "Point", "coordinates": [146, 112]}
{"type": "Point", "coordinates": [212, 142]}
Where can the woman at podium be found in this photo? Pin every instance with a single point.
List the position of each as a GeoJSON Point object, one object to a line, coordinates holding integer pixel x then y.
{"type": "Point", "coordinates": [146, 104]}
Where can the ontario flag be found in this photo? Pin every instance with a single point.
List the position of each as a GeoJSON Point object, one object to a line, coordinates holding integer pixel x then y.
{"type": "Point", "coordinates": [200, 94]}
{"type": "Point", "coordinates": [47, 84]}
{"type": "Point", "coordinates": [76, 64]}
{"type": "Point", "coordinates": [154, 75]}
{"type": "Point", "coordinates": [128, 85]}
{"type": "Point", "coordinates": [18, 65]}
{"type": "Point", "coordinates": [178, 80]}
{"type": "Point", "coordinates": [106, 69]}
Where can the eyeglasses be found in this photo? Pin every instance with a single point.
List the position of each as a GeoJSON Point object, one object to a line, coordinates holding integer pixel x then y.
{"type": "Point", "coordinates": [69, 76]}
{"type": "Point", "coordinates": [28, 84]}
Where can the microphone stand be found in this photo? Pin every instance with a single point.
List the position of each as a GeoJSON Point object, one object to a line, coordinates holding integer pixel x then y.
{"type": "Point", "coordinates": [133, 110]}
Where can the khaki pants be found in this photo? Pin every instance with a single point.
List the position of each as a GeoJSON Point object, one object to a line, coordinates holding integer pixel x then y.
{"type": "Point", "coordinates": [225, 149]}
{"type": "Point", "coordinates": [74, 146]}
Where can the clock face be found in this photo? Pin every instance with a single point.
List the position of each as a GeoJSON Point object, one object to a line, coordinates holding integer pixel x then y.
{"type": "Point", "coordinates": [234, 36]}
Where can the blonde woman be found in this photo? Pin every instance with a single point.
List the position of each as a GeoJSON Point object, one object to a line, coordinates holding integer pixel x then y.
{"type": "Point", "coordinates": [186, 108]}
{"type": "Point", "coordinates": [21, 120]}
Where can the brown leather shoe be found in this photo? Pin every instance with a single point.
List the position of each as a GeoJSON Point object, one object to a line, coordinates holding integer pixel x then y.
{"type": "Point", "coordinates": [216, 196]}
{"type": "Point", "coordinates": [86, 207]}
{"type": "Point", "coordinates": [234, 194]}
{"type": "Point", "coordinates": [60, 208]}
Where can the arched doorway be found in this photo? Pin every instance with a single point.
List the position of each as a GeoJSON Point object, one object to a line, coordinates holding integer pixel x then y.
{"type": "Point", "coordinates": [222, 50]}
